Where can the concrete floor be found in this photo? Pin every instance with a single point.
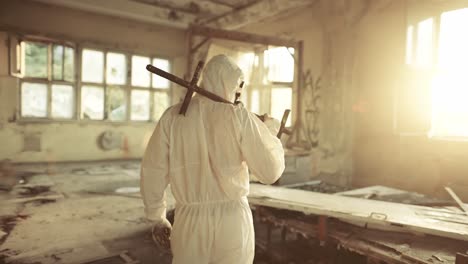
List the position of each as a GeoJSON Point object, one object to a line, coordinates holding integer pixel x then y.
{"type": "Point", "coordinates": [90, 220]}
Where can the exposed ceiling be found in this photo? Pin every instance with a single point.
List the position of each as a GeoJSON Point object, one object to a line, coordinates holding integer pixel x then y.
{"type": "Point", "coordinates": [229, 14]}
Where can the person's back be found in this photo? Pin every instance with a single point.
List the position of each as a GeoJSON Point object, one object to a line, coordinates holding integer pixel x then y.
{"type": "Point", "coordinates": [205, 155]}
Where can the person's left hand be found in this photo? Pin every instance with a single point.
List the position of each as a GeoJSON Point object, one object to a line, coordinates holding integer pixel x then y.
{"type": "Point", "coordinates": [161, 233]}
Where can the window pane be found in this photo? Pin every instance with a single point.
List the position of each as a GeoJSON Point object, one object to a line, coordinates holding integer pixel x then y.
{"type": "Point", "coordinates": [280, 64]}
{"type": "Point", "coordinates": [453, 40]}
{"type": "Point", "coordinates": [57, 62]}
{"type": "Point", "coordinates": [35, 60]}
{"type": "Point", "coordinates": [281, 99]}
{"type": "Point", "coordinates": [409, 45]}
{"type": "Point", "coordinates": [62, 101]}
{"type": "Point", "coordinates": [246, 60]}
{"type": "Point", "coordinates": [92, 66]}
{"type": "Point", "coordinates": [116, 68]}
{"type": "Point", "coordinates": [33, 100]}
{"type": "Point", "coordinates": [158, 81]}
{"type": "Point", "coordinates": [424, 43]}
{"type": "Point", "coordinates": [140, 76]}
{"type": "Point", "coordinates": [116, 104]}
{"type": "Point", "coordinates": [449, 90]}
{"type": "Point", "coordinates": [140, 105]}
{"type": "Point", "coordinates": [69, 64]}
{"type": "Point", "coordinates": [161, 103]}
{"type": "Point", "coordinates": [255, 101]}
{"type": "Point", "coordinates": [92, 102]}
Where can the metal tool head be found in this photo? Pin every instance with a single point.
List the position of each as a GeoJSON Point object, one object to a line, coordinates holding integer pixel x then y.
{"type": "Point", "coordinates": [238, 94]}
{"type": "Point", "coordinates": [283, 129]}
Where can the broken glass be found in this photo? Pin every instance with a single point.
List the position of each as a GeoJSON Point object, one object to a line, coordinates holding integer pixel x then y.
{"type": "Point", "coordinates": [161, 103]}
{"type": "Point", "coordinates": [92, 102]}
{"type": "Point", "coordinates": [57, 62]}
{"type": "Point", "coordinates": [140, 105]}
{"type": "Point", "coordinates": [33, 100]}
{"type": "Point", "coordinates": [69, 64]}
{"type": "Point", "coordinates": [92, 66]}
{"type": "Point", "coordinates": [62, 101]}
{"type": "Point", "coordinates": [116, 104]}
{"type": "Point", "coordinates": [35, 55]}
{"type": "Point", "coordinates": [140, 76]}
{"type": "Point", "coordinates": [116, 68]}
{"type": "Point", "coordinates": [158, 81]}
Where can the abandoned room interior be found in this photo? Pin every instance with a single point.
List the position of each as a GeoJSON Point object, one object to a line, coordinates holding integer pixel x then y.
{"type": "Point", "coordinates": [374, 147]}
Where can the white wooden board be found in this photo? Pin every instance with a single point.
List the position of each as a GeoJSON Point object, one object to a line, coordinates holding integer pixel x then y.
{"type": "Point", "coordinates": [362, 212]}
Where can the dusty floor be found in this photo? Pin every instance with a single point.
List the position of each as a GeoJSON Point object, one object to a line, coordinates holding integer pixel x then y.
{"type": "Point", "coordinates": [80, 216]}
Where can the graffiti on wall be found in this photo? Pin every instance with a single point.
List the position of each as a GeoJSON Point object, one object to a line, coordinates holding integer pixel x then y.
{"type": "Point", "coordinates": [312, 97]}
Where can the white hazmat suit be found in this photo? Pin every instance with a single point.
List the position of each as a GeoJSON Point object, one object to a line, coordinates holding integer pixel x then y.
{"type": "Point", "coordinates": [205, 156]}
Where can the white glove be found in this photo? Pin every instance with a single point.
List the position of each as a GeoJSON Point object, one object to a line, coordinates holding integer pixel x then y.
{"type": "Point", "coordinates": [161, 234]}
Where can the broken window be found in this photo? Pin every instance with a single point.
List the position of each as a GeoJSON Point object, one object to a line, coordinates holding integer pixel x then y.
{"type": "Point", "coordinates": [116, 103]}
{"type": "Point", "coordinates": [116, 68]}
{"type": "Point", "coordinates": [63, 101]}
{"type": "Point", "coordinates": [140, 105]}
{"type": "Point", "coordinates": [151, 103]}
{"type": "Point", "coordinates": [108, 89]}
{"type": "Point", "coordinates": [33, 99]}
{"type": "Point", "coordinates": [47, 90]}
{"type": "Point", "coordinates": [92, 102]}
{"type": "Point", "coordinates": [113, 92]}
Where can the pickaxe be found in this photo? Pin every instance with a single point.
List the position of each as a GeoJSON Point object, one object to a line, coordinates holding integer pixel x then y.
{"type": "Point", "coordinates": [192, 87]}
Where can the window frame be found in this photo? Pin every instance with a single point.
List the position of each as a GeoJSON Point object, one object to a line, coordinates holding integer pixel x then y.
{"type": "Point", "coordinates": [48, 81]}
{"type": "Point", "coordinates": [435, 12]}
{"type": "Point", "coordinates": [265, 89]}
{"type": "Point", "coordinates": [150, 88]}
{"type": "Point", "coordinates": [77, 83]}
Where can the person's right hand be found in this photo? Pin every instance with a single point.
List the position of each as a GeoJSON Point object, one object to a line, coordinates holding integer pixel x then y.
{"type": "Point", "coordinates": [161, 234]}
{"type": "Point", "coordinates": [272, 124]}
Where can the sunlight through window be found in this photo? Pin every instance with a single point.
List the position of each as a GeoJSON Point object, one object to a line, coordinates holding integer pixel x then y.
{"type": "Point", "coordinates": [450, 86]}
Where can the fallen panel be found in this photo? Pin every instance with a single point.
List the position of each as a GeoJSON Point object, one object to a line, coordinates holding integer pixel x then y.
{"type": "Point", "coordinates": [362, 212]}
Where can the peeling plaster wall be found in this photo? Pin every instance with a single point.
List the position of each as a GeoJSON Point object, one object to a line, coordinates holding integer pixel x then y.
{"type": "Point", "coordinates": [73, 141]}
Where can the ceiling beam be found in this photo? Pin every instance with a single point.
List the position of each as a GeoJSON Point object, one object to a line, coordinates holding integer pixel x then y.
{"type": "Point", "coordinates": [126, 9]}
{"type": "Point", "coordinates": [254, 12]}
{"type": "Point", "coordinates": [192, 8]}
{"type": "Point", "coordinates": [223, 3]}
{"type": "Point", "coordinates": [242, 36]}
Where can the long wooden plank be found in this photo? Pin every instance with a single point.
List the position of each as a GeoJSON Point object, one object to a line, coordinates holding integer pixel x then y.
{"type": "Point", "coordinates": [362, 212]}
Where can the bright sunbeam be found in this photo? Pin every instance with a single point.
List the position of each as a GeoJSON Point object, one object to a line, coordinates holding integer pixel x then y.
{"type": "Point", "coordinates": [450, 86]}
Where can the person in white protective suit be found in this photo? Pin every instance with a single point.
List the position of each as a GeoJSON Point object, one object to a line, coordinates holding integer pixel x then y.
{"type": "Point", "coordinates": [206, 156]}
